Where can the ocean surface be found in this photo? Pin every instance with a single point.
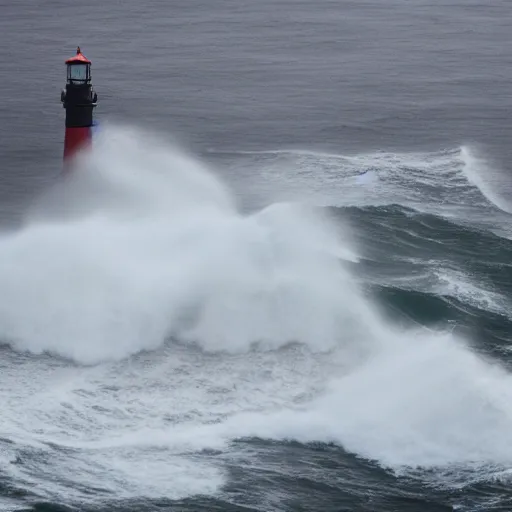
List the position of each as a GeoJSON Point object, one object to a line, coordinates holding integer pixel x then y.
{"type": "Point", "coordinates": [282, 278]}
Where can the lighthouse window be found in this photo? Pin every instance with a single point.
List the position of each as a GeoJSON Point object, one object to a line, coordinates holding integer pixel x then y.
{"type": "Point", "coordinates": [78, 72]}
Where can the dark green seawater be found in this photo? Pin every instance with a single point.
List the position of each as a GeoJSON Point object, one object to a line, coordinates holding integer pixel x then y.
{"type": "Point", "coordinates": [281, 281]}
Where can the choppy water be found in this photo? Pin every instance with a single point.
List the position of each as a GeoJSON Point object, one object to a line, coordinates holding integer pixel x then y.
{"type": "Point", "coordinates": [302, 302]}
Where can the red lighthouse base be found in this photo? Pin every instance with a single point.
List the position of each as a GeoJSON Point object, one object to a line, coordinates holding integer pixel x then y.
{"type": "Point", "coordinates": [76, 139]}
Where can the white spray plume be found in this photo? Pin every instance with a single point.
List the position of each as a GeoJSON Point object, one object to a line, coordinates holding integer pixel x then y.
{"type": "Point", "coordinates": [141, 243]}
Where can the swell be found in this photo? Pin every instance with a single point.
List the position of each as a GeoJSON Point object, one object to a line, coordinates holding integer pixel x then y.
{"type": "Point", "coordinates": [417, 228]}
{"type": "Point", "coordinates": [483, 327]}
{"type": "Point", "coordinates": [440, 273]}
{"type": "Point", "coordinates": [404, 237]}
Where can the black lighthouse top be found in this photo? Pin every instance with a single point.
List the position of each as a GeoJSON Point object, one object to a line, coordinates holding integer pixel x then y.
{"type": "Point", "coordinates": [79, 97]}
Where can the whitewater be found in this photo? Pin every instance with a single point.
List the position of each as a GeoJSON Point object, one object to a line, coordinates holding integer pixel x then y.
{"type": "Point", "coordinates": [149, 326]}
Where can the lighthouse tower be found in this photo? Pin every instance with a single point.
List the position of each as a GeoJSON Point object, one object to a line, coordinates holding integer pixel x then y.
{"type": "Point", "coordinates": [79, 100]}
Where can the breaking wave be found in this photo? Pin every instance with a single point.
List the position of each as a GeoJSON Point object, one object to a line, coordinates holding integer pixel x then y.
{"type": "Point", "coordinates": [142, 243]}
{"type": "Point", "coordinates": [243, 325]}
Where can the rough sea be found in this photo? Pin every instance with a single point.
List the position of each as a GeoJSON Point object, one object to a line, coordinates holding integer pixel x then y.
{"type": "Point", "coordinates": [282, 278]}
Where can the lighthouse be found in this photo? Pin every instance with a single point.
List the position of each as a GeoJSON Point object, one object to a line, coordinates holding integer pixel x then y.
{"type": "Point", "coordinates": [79, 100]}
